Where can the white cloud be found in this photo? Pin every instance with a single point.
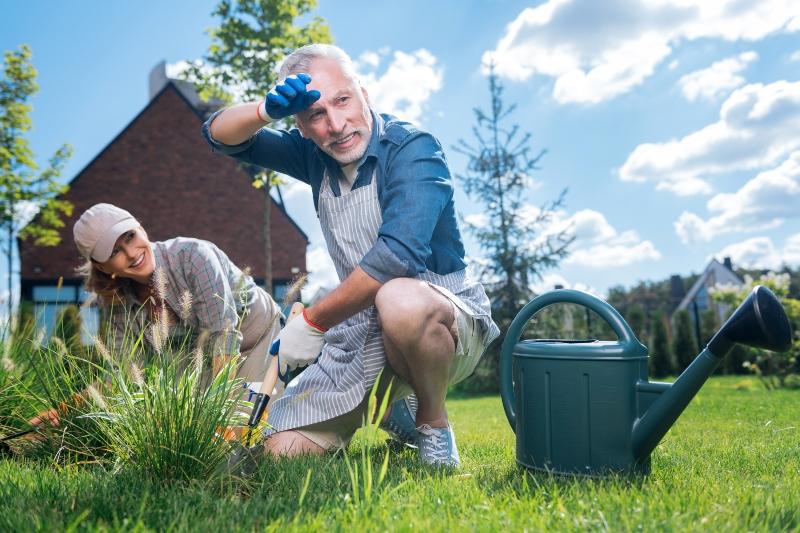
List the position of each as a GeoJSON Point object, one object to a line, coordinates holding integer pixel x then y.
{"type": "Point", "coordinates": [764, 202]}
{"type": "Point", "coordinates": [549, 282]}
{"type": "Point", "coordinates": [791, 250]}
{"type": "Point", "coordinates": [760, 252]}
{"type": "Point", "coordinates": [720, 78]}
{"type": "Point", "coordinates": [24, 212]}
{"type": "Point", "coordinates": [597, 243]}
{"type": "Point", "coordinates": [296, 190]}
{"type": "Point", "coordinates": [757, 127]}
{"type": "Point", "coordinates": [405, 86]}
{"type": "Point", "coordinates": [598, 50]}
{"type": "Point", "coordinates": [795, 56]}
{"type": "Point", "coordinates": [478, 220]}
{"type": "Point", "coordinates": [321, 272]}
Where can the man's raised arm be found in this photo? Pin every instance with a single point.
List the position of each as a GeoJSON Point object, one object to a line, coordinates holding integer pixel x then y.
{"type": "Point", "coordinates": [237, 124]}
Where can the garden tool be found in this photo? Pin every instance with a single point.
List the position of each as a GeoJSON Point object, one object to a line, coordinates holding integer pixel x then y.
{"type": "Point", "coordinates": [243, 459]}
{"type": "Point", "coordinates": [587, 407]}
{"type": "Point", "coordinates": [5, 449]}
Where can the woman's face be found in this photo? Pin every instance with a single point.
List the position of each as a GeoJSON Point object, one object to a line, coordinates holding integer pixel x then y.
{"type": "Point", "coordinates": [131, 257]}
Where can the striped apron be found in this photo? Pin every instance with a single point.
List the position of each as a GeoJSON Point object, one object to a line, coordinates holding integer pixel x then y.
{"type": "Point", "coordinates": [353, 354]}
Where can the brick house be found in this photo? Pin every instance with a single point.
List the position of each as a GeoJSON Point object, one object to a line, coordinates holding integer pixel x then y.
{"type": "Point", "coordinates": [161, 170]}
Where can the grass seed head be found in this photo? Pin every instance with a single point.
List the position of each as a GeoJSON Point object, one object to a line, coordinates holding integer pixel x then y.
{"type": "Point", "coordinates": [103, 350]}
{"type": "Point", "coordinates": [160, 282]}
{"type": "Point", "coordinates": [186, 305]}
{"type": "Point", "coordinates": [97, 397]}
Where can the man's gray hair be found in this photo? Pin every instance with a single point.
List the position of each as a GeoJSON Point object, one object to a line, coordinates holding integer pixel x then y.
{"type": "Point", "coordinates": [300, 60]}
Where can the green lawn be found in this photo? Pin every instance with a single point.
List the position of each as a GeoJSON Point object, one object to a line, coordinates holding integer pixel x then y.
{"type": "Point", "coordinates": [732, 462]}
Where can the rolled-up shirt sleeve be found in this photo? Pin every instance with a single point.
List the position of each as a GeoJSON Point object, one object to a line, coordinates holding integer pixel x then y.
{"type": "Point", "coordinates": [417, 188]}
{"type": "Point", "coordinates": [214, 301]}
{"type": "Point", "coordinates": [283, 151]}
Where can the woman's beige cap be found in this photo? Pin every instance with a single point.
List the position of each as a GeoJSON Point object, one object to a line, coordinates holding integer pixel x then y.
{"type": "Point", "coordinates": [98, 229]}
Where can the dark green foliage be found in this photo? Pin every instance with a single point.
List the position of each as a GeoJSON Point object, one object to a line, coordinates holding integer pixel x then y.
{"type": "Point", "coordinates": [498, 176]}
{"type": "Point", "coordinates": [709, 325]}
{"type": "Point", "coordinates": [684, 346]}
{"type": "Point", "coordinates": [736, 361]}
{"type": "Point", "coordinates": [637, 320]}
{"type": "Point", "coordinates": [661, 359]}
{"type": "Point", "coordinates": [650, 296]}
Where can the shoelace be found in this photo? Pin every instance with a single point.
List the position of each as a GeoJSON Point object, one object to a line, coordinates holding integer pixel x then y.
{"type": "Point", "coordinates": [436, 441]}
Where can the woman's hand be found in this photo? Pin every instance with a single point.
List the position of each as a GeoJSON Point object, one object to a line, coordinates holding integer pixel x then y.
{"type": "Point", "coordinates": [50, 416]}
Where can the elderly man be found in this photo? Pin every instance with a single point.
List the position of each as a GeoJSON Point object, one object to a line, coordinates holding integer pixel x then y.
{"type": "Point", "coordinates": [383, 195]}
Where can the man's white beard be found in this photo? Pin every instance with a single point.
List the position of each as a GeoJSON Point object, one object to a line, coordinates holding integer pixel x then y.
{"type": "Point", "coordinates": [352, 155]}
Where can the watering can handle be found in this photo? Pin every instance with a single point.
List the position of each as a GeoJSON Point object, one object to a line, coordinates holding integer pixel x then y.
{"type": "Point", "coordinates": [558, 296]}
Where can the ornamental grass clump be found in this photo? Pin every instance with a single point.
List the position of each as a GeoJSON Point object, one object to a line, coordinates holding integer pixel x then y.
{"type": "Point", "coordinates": [47, 390]}
{"type": "Point", "coordinates": [166, 420]}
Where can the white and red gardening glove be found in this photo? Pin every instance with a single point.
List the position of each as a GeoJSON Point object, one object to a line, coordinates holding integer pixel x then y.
{"type": "Point", "coordinates": [300, 343]}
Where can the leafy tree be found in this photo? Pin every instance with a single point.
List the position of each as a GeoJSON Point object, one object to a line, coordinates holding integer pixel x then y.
{"type": "Point", "coordinates": [515, 248]}
{"type": "Point", "coordinates": [636, 320]}
{"type": "Point", "coordinates": [247, 47]}
{"type": "Point", "coordinates": [661, 360]}
{"type": "Point", "coordinates": [684, 345]}
{"type": "Point", "coordinates": [776, 370]}
{"type": "Point", "coordinates": [23, 189]}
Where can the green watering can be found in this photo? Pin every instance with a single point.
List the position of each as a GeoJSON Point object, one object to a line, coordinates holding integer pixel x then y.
{"type": "Point", "coordinates": [586, 407]}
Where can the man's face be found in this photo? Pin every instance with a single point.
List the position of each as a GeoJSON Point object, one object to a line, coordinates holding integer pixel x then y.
{"type": "Point", "coordinates": [339, 122]}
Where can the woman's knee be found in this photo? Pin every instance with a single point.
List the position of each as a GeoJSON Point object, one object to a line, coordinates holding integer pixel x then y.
{"type": "Point", "coordinates": [291, 444]}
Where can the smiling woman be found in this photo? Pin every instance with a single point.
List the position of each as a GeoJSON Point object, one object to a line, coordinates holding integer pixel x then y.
{"type": "Point", "coordinates": [184, 284]}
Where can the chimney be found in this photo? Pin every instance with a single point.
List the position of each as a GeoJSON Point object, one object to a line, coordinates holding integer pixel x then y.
{"type": "Point", "coordinates": [157, 79]}
{"type": "Point", "coordinates": [727, 262]}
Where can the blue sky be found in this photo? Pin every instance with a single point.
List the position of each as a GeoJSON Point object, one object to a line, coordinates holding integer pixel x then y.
{"type": "Point", "coordinates": [674, 124]}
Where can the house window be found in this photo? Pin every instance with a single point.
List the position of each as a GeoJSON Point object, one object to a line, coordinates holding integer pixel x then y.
{"type": "Point", "coordinates": [49, 301]}
{"type": "Point", "coordinates": [280, 288]}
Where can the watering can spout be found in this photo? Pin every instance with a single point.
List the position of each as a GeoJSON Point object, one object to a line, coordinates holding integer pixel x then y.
{"type": "Point", "coordinates": [760, 321]}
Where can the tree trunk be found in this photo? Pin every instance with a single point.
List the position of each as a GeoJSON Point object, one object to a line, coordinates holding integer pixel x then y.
{"type": "Point", "coordinates": [9, 260]}
{"type": "Point", "coordinates": [268, 241]}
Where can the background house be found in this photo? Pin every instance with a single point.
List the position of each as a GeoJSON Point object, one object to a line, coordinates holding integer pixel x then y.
{"type": "Point", "coordinates": [161, 170]}
{"type": "Point", "coordinates": [697, 299]}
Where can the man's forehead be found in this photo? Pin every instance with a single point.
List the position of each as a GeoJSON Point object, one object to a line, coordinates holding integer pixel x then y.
{"type": "Point", "coordinates": [328, 74]}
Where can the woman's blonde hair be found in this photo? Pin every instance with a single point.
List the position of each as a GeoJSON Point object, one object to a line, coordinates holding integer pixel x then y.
{"type": "Point", "coordinates": [108, 290]}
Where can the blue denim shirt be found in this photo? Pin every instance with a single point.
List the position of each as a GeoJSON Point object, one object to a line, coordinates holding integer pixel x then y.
{"type": "Point", "coordinates": [419, 231]}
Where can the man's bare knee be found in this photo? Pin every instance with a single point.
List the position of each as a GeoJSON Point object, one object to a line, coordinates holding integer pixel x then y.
{"type": "Point", "coordinates": [291, 444]}
{"type": "Point", "coordinates": [407, 306]}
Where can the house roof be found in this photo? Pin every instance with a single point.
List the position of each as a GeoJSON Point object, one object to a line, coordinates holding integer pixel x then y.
{"type": "Point", "coordinates": [715, 273]}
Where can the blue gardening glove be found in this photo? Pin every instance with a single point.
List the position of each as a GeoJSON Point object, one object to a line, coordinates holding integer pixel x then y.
{"type": "Point", "coordinates": [290, 96]}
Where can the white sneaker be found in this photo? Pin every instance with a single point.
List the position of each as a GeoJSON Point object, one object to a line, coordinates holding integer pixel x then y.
{"type": "Point", "coordinates": [437, 446]}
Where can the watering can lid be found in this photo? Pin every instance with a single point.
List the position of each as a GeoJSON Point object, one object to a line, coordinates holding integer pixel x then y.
{"type": "Point", "coordinates": [579, 349]}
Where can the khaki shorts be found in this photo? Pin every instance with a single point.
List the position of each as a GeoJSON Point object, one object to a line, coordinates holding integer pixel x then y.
{"type": "Point", "coordinates": [336, 433]}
